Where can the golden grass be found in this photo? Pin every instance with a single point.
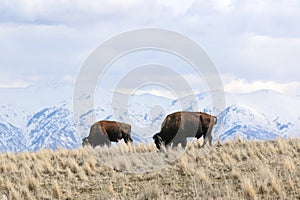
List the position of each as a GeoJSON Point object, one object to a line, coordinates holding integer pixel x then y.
{"type": "Point", "coordinates": [233, 170]}
{"type": "Point", "coordinates": [248, 187]}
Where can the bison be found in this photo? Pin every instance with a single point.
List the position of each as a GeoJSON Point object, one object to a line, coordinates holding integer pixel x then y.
{"type": "Point", "coordinates": [180, 125]}
{"type": "Point", "coordinates": [104, 132]}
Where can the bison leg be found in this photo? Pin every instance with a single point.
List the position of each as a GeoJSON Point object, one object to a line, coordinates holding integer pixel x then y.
{"type": "Point", "coordinates": [177, 141]}
{"type": "Point", "coordinates": [183, 143]}
{"type": "Point", "coordinates": [210, 139]}
{"type": "Point", "coordinates": [204, 141]}
{"type": "Point", "coordinates": [104, 138]}
{"type": "Point", "coordinates": [208, 135]}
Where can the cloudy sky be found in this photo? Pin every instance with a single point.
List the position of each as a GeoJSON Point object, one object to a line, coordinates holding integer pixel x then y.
{"type": "Point", "coordinates": [254, 44]}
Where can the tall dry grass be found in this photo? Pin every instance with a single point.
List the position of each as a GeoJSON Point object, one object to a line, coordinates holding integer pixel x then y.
{"type": "Point", "coordinates": [233, 170]}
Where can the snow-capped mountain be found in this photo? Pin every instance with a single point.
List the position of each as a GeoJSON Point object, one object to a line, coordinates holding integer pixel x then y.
{"type": "Point", "coordinates": [274, 105]}
{"type": "Point", "coordinates": [52, 128]}
{"type": "Point", "coordinates": [261, 115]}
{"type": "Point", "coordinates": [246, 123]}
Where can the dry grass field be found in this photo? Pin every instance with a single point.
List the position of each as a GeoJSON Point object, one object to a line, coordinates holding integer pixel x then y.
{"type": "Point", "coordinates": [233, 170]}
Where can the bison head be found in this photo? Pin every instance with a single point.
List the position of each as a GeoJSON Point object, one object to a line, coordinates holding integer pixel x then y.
{"type": "Point", "coordinates": [128, 139]}
{"type": "Point", "coordinates": [85, 141]}
{"type": "Point", "coordinates": [125, 129]}
{"type": "Point", "coordinates": [157, 140]}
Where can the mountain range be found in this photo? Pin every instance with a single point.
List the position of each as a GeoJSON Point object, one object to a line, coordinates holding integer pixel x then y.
{"type": "Point", "coordinates": [26, 125]}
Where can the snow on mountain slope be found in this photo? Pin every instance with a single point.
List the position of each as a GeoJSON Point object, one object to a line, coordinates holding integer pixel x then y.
{"type": "Point", "coordinates": [52, 128]}
{"type": "Point", "coordinates": [13, 115]}
{"type": "Point", "coordinates": [283, 110]}
{"type": "Point", "coordinates": [35, 98]}
{"type": "Point", "coordinates": [273, 104]}
{"type": "Point", "coordinates": [294, 131]}
{"type": "Point", "coordinates": [245, 122]}
{"type": "Point", "coordinates": [11, 138]}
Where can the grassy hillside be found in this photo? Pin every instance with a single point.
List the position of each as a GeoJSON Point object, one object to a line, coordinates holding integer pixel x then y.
{"type": "Point", "coordinates": [234, 170]}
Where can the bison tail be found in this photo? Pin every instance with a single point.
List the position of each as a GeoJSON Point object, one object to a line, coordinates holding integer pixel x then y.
{"type": "Point", "coordinates": [215, 119]}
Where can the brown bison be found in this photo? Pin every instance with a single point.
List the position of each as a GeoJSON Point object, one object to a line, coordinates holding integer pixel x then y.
{"type": "Point", "coordinates": [180, 125]}
{"type": "Point", "coordinates": [105, 132]}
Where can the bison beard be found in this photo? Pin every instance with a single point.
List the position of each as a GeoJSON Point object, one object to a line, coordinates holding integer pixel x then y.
{"type": "Point", "coordinates": [105, 132]}
{"type": "Point", "coordinates": [180, 125]}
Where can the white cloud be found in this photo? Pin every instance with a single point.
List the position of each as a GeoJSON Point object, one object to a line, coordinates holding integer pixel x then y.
{"type": "Point", "coordinates": [266, 57]}
{"type": "Point", "coordinates": [224, 5]}
{"type": "Point", "coordinates": [251, 39]}
{"type": "Point", "coordinates": [14, 85]}
{"type": "Point", "coordinates": [77, 13]}
{"type": "Point", "coordinates": [157, 92]}
{"type": "Point", "coordinates": [243, 86]}
{"type": "Point", "coordinates": [179, 7]}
